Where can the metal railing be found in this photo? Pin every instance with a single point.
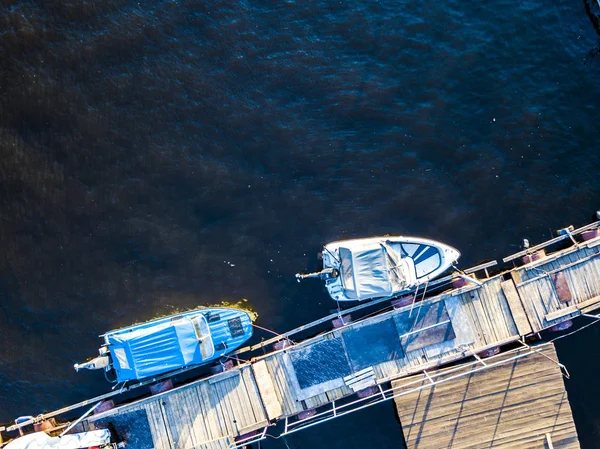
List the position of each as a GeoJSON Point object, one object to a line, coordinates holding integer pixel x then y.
{"type": "Point", "coordinates": [428, 380]}
{"type": "Point", "coordinates": [567, 235]}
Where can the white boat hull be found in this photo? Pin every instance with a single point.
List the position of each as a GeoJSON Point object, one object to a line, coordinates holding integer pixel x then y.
{"type": "Point", "coordinates": [380, 267]}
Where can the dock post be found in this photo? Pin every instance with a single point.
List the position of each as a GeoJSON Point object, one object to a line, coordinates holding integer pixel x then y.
{"type": "Point", "coordinates": [282, 344]}
{"type": "Point", "coordinates": [44, 425]}
{"type": "Point", "coordinates": [341, 321]}
{"type": "Point", "coordinates": [106, 405]}
{"type": "Point", "coordinates": [403, 301]}
{"type": "Point", "coordinates": [306, 414]}
{"type": "Point", "coordinates": [591, 234]}
{"type": "Point", "coordinates": [532, 257]}
{"type": "Point", "coordinates": [161, 387]}
{"type": "Point", "coordinates": [562, 326]}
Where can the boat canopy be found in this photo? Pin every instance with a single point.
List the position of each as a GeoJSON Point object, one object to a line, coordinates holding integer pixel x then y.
{"type": "Point", "coordinates": [149, 351]}
{"type": "Point", "coordinates": [365, 272]}
{"type": "Point", "coordinates": [374, 270]}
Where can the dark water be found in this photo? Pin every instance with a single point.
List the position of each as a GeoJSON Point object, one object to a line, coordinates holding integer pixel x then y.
{"type": "Point", "coordinates": [160, 155]}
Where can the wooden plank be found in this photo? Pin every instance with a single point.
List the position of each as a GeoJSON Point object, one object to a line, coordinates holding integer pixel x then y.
{"type": "Point", "coordinates": [592, 278]}
{"type": "Point", "coordinates": [157, 426]}
{"type": "Point", "coordinates": [283, 389]}
{"type": "Point", "coordinates": [198, 426]}
{"type": "Point", "coordinates": [171, 417]}
{"type": "Point", "coordinates": [576, 308]}
{"type": "Point", "coordinates": [490, 306]}
{"type": "Point", "coordinates": [469, 310]}
{"type": "Point", "coordinates": [548, 299]}
{"type": "Point", "coordinates": [193, 411]}
{"type": "Point", "coordinates": [284, 392]}
{"type": "Point", "coordinates": [247, 419]}
{"type": "Point", "coordinates": [161, 424]}
{"type": "Point", "coordinates": [359, 375]}
{"type": "Point", "coordinates": [595, 269]}
{"type": "Point", "coordinates": [516, 307]}
{"type": "Point", "coordinates": [504, 310]}
{"type": "Point", "coordinates": [226, 415]}
{"type": "Point", "coordinates": [168, 430]}
{"type": "Point", "coordinates": [254, 395]}
{"type": "Point", "coordinates": [531, 296]}
{"type": "Point", "coordinates": [265, 385]}
{"type": "Point", "coordinates": [223, 376]}
{"type": "Point", "coordinates": [241, 405]}
{"type": "Point", "coordinates": [481, 316]}
{"type": "Point", "coordinates": [211, 416]}
{"type": "Point", "coordinates": [492, 408]}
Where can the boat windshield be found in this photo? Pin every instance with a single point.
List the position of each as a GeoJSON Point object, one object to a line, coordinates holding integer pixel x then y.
{"type": "Point", "coordinates": [204, 338]}
{"type": "Point", "coordinates": [397, 267]}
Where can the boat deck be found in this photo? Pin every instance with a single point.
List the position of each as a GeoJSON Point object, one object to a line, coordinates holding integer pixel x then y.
{"type": "Point", "coordinates": [561, 285]}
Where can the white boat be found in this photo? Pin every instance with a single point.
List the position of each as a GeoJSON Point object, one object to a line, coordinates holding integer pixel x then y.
{"type": "Point", "coordinates": [41, 440]}
{"type": "Point", "coordinates": [381, 267]}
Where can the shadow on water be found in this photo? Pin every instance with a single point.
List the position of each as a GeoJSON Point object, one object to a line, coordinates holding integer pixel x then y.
{"type": "Point", "coordinates": [379, 427]}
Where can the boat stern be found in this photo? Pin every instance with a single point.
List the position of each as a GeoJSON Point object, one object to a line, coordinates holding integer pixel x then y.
{"type": "Point", "coordinates": [102, 361]}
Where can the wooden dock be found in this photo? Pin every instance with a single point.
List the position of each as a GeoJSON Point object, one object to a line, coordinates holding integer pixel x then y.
{"type": "Point", "coordinates": [205, 414]}
{"type": "Point", "coordinates": [324, 377]}
{"type": "Point", "coordinates": [522, 405]}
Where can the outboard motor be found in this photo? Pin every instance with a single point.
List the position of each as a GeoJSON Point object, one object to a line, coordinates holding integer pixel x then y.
{"type": "Point", "coordinates": [96, 363]}
{"type": "Point", "coordinates": [102, 361]}
{"type": "Point", "coordinates": [325, 274]}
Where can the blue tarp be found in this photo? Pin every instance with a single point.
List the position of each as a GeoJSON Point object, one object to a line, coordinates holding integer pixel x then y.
{"type": "Point", "coordinates": [150, 351]}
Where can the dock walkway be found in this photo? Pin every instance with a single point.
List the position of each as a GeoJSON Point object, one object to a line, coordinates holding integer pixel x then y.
{"type": "Point", "coordinates": [517, 405]}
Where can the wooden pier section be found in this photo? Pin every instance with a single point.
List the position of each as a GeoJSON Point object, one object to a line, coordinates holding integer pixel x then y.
{"type": "Point", "coordinates": [348, 368]}
{"type": "Point", "coordinates": [517, 405]}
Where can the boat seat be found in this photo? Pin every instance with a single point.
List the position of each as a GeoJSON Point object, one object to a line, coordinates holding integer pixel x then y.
{"type": "Point", "coordinates": [213, 317]}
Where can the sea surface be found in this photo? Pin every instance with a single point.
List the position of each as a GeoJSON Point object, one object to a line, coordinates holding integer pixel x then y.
{"type": "Point", "coordinates": [160, 155]}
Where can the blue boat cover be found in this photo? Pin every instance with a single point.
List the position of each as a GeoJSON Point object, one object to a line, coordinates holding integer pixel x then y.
{"type": "Point", "coordinates": [149, 351]}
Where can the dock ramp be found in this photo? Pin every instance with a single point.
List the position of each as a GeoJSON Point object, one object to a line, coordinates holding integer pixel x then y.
{"type": "Point", "coordinates": [515, 405]}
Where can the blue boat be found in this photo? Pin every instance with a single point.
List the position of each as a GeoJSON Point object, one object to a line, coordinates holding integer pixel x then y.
{"type": "Point", "coordinates": [174, 343]}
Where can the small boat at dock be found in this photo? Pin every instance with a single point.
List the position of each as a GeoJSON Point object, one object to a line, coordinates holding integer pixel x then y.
{"type": "Point", "coordinates": [41, 440]}
{"type": "Point", "coordinates": [177, 342]}
{"type": "Point", "coordinates": [380, 267]}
